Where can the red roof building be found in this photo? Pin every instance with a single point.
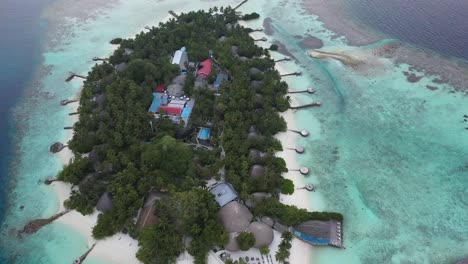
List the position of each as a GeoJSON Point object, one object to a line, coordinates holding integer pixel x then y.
{"type": "Point", "coordinates": [160, 88]}
{"type": "Point", "coordinates": [171, 110]}
{"type": "Point", "coordinates": [204, 68]}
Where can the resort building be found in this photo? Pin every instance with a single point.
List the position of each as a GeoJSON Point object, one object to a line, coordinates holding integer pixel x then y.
{"type": "Point", "coordinates": [219, 80]}
{"type": "Point", "coordinates": [320, 233]}
{"type": "Point", "coordinates": [204, 68]}
{"type": "Point", "coordinates": [147, 215]}
{"type": "Point", "coordinates": [170, 101]}
{"type": "Point", "coordinates": [262, 232]}
{"type": "Point", "coordinates": [180, 58]}
{"type": "Point", "coordinates": [224, 193]}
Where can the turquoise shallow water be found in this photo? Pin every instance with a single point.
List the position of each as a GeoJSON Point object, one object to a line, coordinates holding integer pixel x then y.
{"type": "Point", "coordinates": [389, 154]}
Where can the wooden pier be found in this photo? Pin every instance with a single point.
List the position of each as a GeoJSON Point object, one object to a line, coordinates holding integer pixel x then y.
{"type": "Point", "coordinates": [283, 59]}
{"type": "Point", "coordinates": [172, 13]}
{"type": "Point", "coordinates": [298, 73]}
{"type": "Point", "coordinates": [49, 181]}
{"type": "Point", "coordinates": [314, 104]}
{"type": "Point", "coordinates": [303, 170]}
{"type": "Point", "coordinates": [308, 187]}
{"type": "Point", "coordinates": [83, 257]}
{"type": "Point", "coordinates": [240, 4]}
{"type": "Point", "coordinates": [74, 113]}
{"type": "Point", "coordinates": [65, 102]}
{"type": "Point", "coordinates": [303, 133]}
{"type": "Point", "coordinates": [308, 90]}
{"type": "Point", "coordinates": [34, 225]}
{"type": "Point", "coordinates": [99, 59]}
{"type": "Point", "coordinates": [73, 75]}
{"type": "Point", "coordinates": [68, 127]}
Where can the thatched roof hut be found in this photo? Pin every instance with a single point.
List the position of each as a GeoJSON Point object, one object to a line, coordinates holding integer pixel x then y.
{"type": "Point", "coordinates": [256, 155]}
{"type": "Point", "coordinates": [234, 51]}
{"type": "Point", "coordinates": [105, 203]}
{"type": "Point", "coordinates": [257, 171]}
{"type": "Point", "coordinates": [254, 71]}
{"type": "Point", "coordinates": [235, 217]}
{"type": "Point", "coordinates": [262, 232]}
{"type": "Point", "coordinates": [259, 100]}
{"type": "Point", "coordinates": [256, 84]}
{"type": "Point", "coordinates": [121, 67]}
{"type": "Point", "coordinates": [256, 197]}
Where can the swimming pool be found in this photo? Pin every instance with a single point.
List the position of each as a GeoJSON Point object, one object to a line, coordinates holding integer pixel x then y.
{"type": "Point", "coordinates": [204, 133]}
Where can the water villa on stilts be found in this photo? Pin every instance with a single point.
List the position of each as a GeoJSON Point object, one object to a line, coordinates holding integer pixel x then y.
{"type": "Point", "coordinates": [83, 257]}
{"type": "Point", "coordinates": [308, 90]}
{"type": "Point", "coordinates": [73, 75]}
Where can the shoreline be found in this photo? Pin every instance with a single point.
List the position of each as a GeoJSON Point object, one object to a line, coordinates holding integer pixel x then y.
{"type": "Point", "coordinates": [300, 251]}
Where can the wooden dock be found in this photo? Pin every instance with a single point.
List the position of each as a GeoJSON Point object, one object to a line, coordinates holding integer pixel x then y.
{"type": "Point", "coordinates": [83, 257]}
{"type": "Point", "coordinates": [65, 102]}
{"type": "Point", "coordinates": [314, 104]}
{"type": "Point", "coordinates": [34, 225]}
{"type": "Point", "coordinates": [298, 73]}
{"type": "Point", "coordinates": [283, 59]}
{"type": "Point", "coordinates": [240, 4]}
{"type": "Point", "coordinates": [73, 75]}
{"type": "Point", "coordinates": [172, 13]}
{"type": "Point", "coordinates": [68, 127]}
{"type": "Point", "coordinates": [99, 59]}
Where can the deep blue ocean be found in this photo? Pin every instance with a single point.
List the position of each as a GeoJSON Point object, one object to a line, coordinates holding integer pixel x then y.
{"type": "Point", "coordinates": [21, 29]}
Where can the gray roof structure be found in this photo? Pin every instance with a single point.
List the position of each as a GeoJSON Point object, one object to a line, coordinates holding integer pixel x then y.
{"type": "Point", "coordinates": [314, 228]}
{"type": "Point", "coordinates": [235, 217]}
{"type": "Point", "coordinates": [128, 51]}
{"type": "Point", "coordinates": [254, 71]}
{"type": "Point", "coordinates": [259, 100]}
{"type": "Point", "coordinates": [105, 202]}
{"type": "Point", "coordinates": [256, 84]}
{"type": "Point", "coordinates": [175, 90]}
{"type": "Point", "coordinates": [262, 232]}
{"type": "Point", "coordinates": [256, 155]}
{"type": "Point", "coordinates": [121, 67]}
{"type": "Point", "coordinates": [234, 51]}
{"type": "Point", "coordinates": [257, 171]}
{"type": "Point", "coordinates": [224, 193]}
{"type": "Point", "coordinates": [268, 221]}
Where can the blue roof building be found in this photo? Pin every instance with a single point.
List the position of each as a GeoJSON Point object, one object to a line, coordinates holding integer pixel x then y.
{"type": "Point", "coordinates": [219, 80]}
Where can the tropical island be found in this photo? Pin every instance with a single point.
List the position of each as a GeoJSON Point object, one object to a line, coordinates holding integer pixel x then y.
{"type": "Point", "coordinates": [175, 144]}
